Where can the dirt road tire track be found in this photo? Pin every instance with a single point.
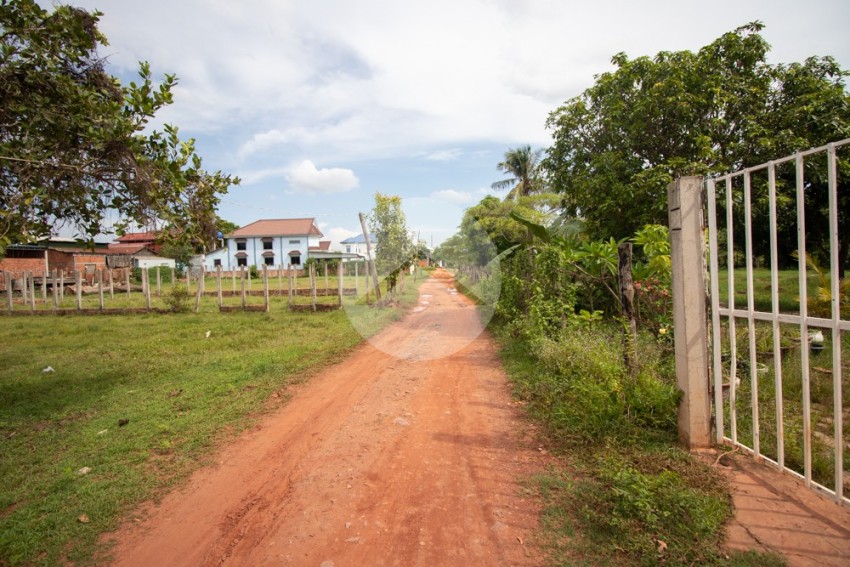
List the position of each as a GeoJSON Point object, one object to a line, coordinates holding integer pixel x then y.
{"type": "Point", "coordinates": [396, 456]}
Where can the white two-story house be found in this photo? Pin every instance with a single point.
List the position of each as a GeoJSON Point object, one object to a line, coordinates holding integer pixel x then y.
{"type": "Point", "coordinates": [270, 242]}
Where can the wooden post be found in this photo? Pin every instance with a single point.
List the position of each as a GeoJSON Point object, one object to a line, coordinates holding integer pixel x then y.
{"type": "Point", "coordinates": [111, 285]}
{"type": "Point", "coordinates": [127, 281]}
{"type": "Point", "coordinates": [627, 297]}
{"type": "Point", "coordinates": [100, 289]}
{"type": "Point", "coordinates": [326, 276]}
{"type": "Point", "coordinates": [368, 256]}
{"type": "Point", "coordinates": [279, 280]}
{"type": "Point", "coordinates": [158, 283]}
{"type": "Point", "coordinates": [55, 291]}
{"type": "Point", "coordinates": [145, 278]}
{"type": "Point", "coordinates": [32, 291]}
{"type": "Point", "coordinates": [218, 279]}
{"type": "Point", "coordinates": [266, 286]}
{"type": "Point", "coordinates": [339, 280]}
{"type": "Point", "coordinates": [61, 285]}
{"type": "Point", "coordinates": [313, 285]}
{"type": "Point", "coordinates": [684, 206]}
{"type": "Point", "coordinates": [44, 287]}
{"type": "Point", "coordinates": [79, 286]}
{"type": "Point", "coordinates": [9, 291]}
{"type": "Point", "coordinates": [244, 300]}
{"type": "Point", "coordinates": [24, 289]}
{"type": "Point", "coordinates": [145, 282]}
{"type": "Point", "coordinates": [289, 279]}
{"type": "Point", "coordinates": [173, 277]}
{"type": "Point", "coordinates": [198, 293]}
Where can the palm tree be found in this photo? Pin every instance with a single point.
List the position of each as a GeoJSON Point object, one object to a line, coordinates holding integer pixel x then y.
{"type": "Point", "coordinates": [521, 164]}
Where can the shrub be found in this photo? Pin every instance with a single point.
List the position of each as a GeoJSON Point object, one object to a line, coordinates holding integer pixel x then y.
{"type": "Point", "coordinates": [177, 298]}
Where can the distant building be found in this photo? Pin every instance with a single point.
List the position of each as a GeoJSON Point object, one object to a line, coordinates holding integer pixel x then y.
{"type": "Point", "coordinates": [270, 242]}
{"type": "Point", "coordinates": [357, 245]}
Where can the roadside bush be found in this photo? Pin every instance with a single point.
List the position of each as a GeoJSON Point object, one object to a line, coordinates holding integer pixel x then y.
{"type": "Point", "coordinates": [177, 298]}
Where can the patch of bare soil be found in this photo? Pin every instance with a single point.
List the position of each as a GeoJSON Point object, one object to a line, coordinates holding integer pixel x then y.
{"type": "Point", "coordinates": [396, 456]}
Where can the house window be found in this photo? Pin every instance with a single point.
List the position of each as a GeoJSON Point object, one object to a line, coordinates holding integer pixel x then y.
{"type": "Point", "coordinates": [268, 260]}
{"type": "Point", "coordinates": [348, 249]}
{"type": "Point", "coordinates": [295, 242]}
{"type": "Point", "coordinates": [217, 263]}
{"type": "Point", "coordinates": [295, 260]}
{"type": "Point", "coordinates": [268, 243]}
{"type": "Point", "coordinates": [242, 262]}
{"type": "Point", "coordinates": [241, 244]}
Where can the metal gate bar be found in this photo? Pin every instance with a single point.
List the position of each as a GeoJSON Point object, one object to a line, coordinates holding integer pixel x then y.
{"type": "Point", "coordinates": [730, 313]}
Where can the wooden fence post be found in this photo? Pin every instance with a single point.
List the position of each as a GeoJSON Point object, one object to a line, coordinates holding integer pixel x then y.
{"type": "Point", "coordinates": [145, 278]}
{"type": "Point", "coordinates": [339, 280]}
{"type": "Point", "coordinates": [127, 281]}
{"type": "Point", "coordinates": [218, 278]}
{"type": "Point", "coordinates": [111, 285]}
{"type": "Point", "coordinates": [32, 291]}
{"type": "Point", "coordinates": [280, 280]}
{"type": "Point", "coordinates": [24, 289]}
{"type": "Point", "coordinates": [100, 289]}
{"type": "Point", "coordinates": [79, 288]}
{"type": "Point", "coordinates": [289, 279]}
{"type": "Point", "coordinates": [244, 299]}
{"type": "Point", "coordinates": [44, 287]}
{"type": "Point", "coordinates": [55, 291]}
{"type": "Point", "coordinates": [158, 283]}
{"type": "Point", "coordinates": [627, 296]}
{"type": "Point", "coordinates": [313, 285]}
{"type": "Point", "coordinates": [62, 285]}
{"type": "Point", "coordinates": [685, 206]}
{"type": "Point", "coordinates": [9, 291]}
{"type": "Point", "coordinates": [198, 293]}
{"type": "Point", "coordinates": [266, 286]}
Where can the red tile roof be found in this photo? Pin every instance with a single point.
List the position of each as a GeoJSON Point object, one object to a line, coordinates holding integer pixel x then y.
{"type": "Point", "coordinates": [278, 227]}
{"type": "Point", "coordinates": [149, 236]}
{"type": "Point", "coordinates": [323, 245]}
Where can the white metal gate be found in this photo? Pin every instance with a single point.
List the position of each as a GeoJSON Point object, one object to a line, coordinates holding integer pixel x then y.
{"type": "Point", "coordinates": [763, 400]}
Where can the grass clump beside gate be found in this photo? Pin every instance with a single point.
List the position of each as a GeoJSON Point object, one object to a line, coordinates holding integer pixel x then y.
{"type": "Point", "coordinates": [623, 492]}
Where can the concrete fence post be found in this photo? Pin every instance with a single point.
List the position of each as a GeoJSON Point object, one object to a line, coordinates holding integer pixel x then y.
{"type": "Point", "coordinates": [685, 212]}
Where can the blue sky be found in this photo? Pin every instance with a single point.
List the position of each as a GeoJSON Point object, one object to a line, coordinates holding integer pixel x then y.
{"type": "Point", "coordinates": [318, 104]}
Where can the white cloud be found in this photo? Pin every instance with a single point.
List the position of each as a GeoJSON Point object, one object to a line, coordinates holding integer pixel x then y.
{"type": "Point", "coordinates": [445, 155]}
{"type": "Point", "coordinates": [336, 235]}
{"type": "Point", "coordinates": [306, 178]}
{"type": "Point", "coordinates": [453, 197]}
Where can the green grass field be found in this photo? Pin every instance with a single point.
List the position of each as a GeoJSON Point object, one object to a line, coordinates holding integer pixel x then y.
{"type": "Point", "coordinates": [133, 404]}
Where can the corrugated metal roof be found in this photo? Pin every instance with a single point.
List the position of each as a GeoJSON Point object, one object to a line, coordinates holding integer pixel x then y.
{"type": "Point", "coordinates": [278, 227]}
{"type": "Point", "coordinates": [149, 236]}
{"type": "Point", "coordinates": [358, 239]}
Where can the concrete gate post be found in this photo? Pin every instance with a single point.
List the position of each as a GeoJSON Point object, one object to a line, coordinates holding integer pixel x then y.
{"type": "Point", "coordinates": [685, 212]}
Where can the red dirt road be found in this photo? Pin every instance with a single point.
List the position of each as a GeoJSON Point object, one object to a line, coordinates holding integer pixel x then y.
{"type": "Point", "coordinates": [408, 458]}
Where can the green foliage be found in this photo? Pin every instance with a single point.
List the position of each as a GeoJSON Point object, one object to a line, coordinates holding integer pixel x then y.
{"type": "Point", "coordinates": [75, 143]}
{"type": "Point", "coordinates": [522, 165]}
{"type": "Point", "coordinates": [621, 142]}
{"type": "Point", "coordinates": [394, 250]}
{"type": "Point", "coordinates": [177, 298]}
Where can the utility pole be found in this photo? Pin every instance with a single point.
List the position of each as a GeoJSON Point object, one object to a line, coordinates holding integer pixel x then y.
{"type": "Point", "coordinates": [370, 257]}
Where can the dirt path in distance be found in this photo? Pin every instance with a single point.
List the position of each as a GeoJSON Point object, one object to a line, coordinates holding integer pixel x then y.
{"type": "Point", "coordinates": [410, 452]}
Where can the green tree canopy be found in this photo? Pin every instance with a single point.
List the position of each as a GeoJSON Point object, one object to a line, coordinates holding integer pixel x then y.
{"type": "Point", "coordinates": [394, 250]}
{"type": "Point", "coordinates": [74, 142]}
{"type": "Point", "coordinates": [620, 143]}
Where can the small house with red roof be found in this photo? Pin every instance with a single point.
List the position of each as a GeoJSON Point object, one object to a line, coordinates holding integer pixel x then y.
{"type": "Point", "coordinates": [270, 242]}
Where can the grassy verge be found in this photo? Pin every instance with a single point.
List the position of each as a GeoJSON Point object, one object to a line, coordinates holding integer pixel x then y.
{"type": "Point", "coordinates": [98, 414]}
{"type": "Point", "coordinates": [623, 492]}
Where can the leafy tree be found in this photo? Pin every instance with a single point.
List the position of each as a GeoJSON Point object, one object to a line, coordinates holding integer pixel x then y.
{"type": "Point", "coordinates": [522, 165]}
{"type": "Point", "coordinates": [621, 142]}
{"type": "Point", "coordinates": [394, 250]}
{"type": "Point", "coordinates": [74, 142]}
